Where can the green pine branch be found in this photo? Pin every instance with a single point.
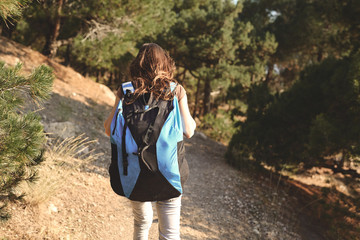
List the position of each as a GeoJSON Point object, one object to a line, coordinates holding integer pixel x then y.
{"type": "Point", "coordinates": [22, 137]}
{"type": "Point", "coordinates": [39, 82]}
{"type": "Point", "coordinates": [10, 9]}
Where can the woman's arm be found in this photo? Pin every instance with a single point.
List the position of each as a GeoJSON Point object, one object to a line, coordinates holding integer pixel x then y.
{"type": "Point", "coordinates": [188, 122]}
{"type": "Point", "coordinates": [107, 123]}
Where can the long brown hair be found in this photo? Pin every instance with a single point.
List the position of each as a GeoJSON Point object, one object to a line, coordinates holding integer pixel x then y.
{"type": "Point", "coordinates": [152, 71]}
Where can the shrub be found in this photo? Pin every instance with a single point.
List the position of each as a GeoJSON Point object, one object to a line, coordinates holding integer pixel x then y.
{"type": "Point", "coordinates": [218, 126]}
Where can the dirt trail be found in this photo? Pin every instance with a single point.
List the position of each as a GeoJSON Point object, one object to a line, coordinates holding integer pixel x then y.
{"type": "Point", "coordinates": [219, 201]}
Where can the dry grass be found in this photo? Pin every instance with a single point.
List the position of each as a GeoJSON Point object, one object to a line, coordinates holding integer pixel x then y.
{"type": "Point", "coordinates": [62, 158]}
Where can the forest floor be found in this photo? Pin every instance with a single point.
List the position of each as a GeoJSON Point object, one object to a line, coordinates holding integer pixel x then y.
{"type": "Point", "coordinates": [73, 198]}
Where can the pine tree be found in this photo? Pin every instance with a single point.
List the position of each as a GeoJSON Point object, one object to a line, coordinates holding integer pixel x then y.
{"type": "Point", "coordinates": [12, 8]}
{"type": "Point", "coordinates": [306, 32]}
{"type": "Point", "coordinates": [21, 134]}
{"type": "Point", "coordinates": [96, 38]}
{"type": "Point", "coordinates": [316, 116]}
{"type": "Point", "coordinates": [202, 44]}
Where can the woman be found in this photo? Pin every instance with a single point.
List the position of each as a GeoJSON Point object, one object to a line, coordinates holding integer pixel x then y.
{"type": "Point", "coordinates": [152, 72]}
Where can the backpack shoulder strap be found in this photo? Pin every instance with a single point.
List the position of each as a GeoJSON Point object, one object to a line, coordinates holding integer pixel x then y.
{"type": "Point", "coordinates": [127, 86]}
{"type": "Point", "coordinates": [127, 89]}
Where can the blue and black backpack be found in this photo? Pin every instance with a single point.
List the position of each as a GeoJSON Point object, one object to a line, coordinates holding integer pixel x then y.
{"type": "Point", "coordinates": [148, 154]}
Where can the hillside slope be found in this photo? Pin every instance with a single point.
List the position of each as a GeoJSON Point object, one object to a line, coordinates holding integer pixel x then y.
{"type": "Point", "coordinates": [67, 80]}
{"type": "Point", "coordinates": [219, 201]}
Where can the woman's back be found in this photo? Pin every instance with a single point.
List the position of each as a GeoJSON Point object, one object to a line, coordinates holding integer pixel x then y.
{"type": "Point", "coordinates": [146, 127]}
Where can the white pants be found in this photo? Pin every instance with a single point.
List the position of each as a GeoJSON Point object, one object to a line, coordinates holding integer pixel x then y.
{"type": "Point", "coordinates": [168, 212]}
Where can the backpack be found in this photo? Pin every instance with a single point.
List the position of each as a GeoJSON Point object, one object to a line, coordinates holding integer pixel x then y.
{"type": "Point", "coordinates": [148, 154]}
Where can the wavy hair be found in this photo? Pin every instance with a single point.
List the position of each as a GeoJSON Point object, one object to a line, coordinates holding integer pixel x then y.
{"type": "Point", "coordinates": [152, 71]}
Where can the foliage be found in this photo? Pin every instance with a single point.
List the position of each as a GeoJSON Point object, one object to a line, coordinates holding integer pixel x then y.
{"type": "Point", "coordinates": [209, 41]}
{"type": "Point", "coordinates": [127, 26]}
{"type": "Point", "coordinates": [302, 109]}
{"type": "Point", "coordinates": [97, 38]}
{"type": "Point", "coordinates": [21, 134]}
{"type": "Point", "coordinates": [201, 41]}
{"type": "Point", "coordinates": [248, 53]}
{"type": "Point", "coordinates": [314, 119]}
{"type": "Point", "coordinates": [306, 31]}
{"type": "Point", "coordinates": [10, 9]}
{"type": "Point", "coordinates": [218, 126]}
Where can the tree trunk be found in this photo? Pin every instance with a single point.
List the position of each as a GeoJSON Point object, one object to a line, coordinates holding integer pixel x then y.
{"type": "Point", "coordinates": [269, 74]}
{"type": "Point", "coordinates": [183, 78]}
{"type": "Point", "coordinates": [56, 30]}
{"type": "Point", "coordinates": [51, 47]}
{"type": "Point", "coordinates": [320, 55]}
{"type": "Point", "coordinates": [116, 78]}
{"type": "Point", "coordinates": [207, 91]}
{"type": "Point", "coordinates": [46, 48]}
{"type": "Point", "coordinates": [196, 98]}
{"type": "Point", "coordinates": [67, 55]}
{"type": "Point", "coordinates": [98, 76]}
{"type": "Point", "coordinates": [7, 29]}
{"type": "Point", "coordinates": [110, 80]}
{"type": "Point", "coordinates": [252, 78]}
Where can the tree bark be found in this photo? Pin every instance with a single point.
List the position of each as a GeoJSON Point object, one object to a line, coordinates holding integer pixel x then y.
{"type": "Point", "coordinates": [252, 78]}
{"type": "Point", "coordinates": [180, 77]}
{"type": "Point", "coordinates": [183, 77]}
{"type": "Point", "coordinates": [98, 76]}
{"type": "Point", "coordinates": [110, 80]}
{"type": "Point", "coordinates": [51, 47]}
{"type": "Point", "coordinates": [320, 55]}
{"type": "Point", "coordinates": [67, 55]}
{"type": "Point", "coordinates": [269, 74]}
{"type": "Point", "coordinates": [207, 91]}
{"type": "Point", "coordinates": [7, 29]}
{"type": "Point", "coordinates": [196, 98]}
